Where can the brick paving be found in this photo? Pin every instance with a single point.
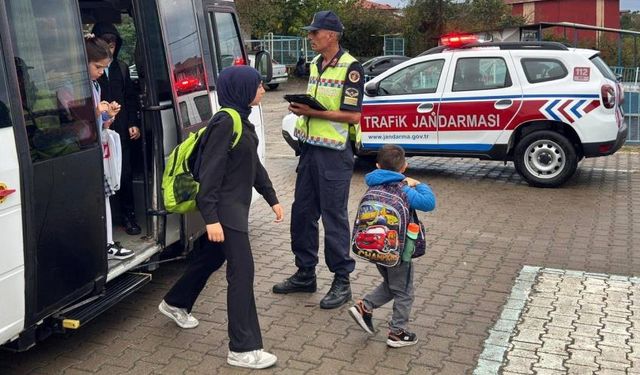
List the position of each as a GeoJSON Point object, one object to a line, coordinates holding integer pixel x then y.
{"type": "Point", "coordinates": [566, 322]}
{"type": "Point", "coordinates": [488, 225]}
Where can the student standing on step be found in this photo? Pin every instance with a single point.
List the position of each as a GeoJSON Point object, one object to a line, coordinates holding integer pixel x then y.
{"type": "Point", "coordinates": [116, 85]}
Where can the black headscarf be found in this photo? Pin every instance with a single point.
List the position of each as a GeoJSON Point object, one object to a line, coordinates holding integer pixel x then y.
{"type": "Point", "coordinates": [237, 87]}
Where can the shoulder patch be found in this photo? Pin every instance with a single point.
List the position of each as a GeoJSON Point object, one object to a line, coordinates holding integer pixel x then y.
{"type": "Point", "coordinates": [351, 92]}
{"type": "Point", "coordinates": [354, 76]}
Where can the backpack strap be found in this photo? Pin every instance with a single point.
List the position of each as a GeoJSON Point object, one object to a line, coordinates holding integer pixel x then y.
{"type": "Point", "coordinates": [194, 158]}
{"type": "Point", "coordinates": [237, 125]}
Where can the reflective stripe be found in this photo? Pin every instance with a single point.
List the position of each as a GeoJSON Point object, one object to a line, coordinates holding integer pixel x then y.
{"type": "Point", "coordinates": [327, 89]}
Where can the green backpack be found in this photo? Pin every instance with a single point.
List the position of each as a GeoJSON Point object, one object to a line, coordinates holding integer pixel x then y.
{"type": "Point", "coordinates": [179, 188]}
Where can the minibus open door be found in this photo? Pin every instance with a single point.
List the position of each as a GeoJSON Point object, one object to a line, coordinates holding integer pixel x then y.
{"type": "Point", "coordinates": [190, 88]}
{"type": "Point", "coordinates": [60, 160]}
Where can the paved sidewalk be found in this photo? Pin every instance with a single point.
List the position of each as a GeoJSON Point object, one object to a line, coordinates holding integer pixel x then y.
{"type": "Point", "coordinates": [566, 322]}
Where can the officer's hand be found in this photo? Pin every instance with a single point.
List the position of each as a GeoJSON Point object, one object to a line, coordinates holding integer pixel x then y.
{"type": "Point", "coordinates": [411, 182]}
{"type": "Point", "coordinates": [300, 109]}
{"type": "Point", "coordinates": [277, 209]}
{"type": "Point", "coordinates": [215, 233]}
{"type": "Point", "coordinates": [134, 132]}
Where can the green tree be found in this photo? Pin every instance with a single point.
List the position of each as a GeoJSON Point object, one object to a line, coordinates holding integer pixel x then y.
{"type": "Point", "coordinates": [365, 28]}
{"type": "Point", "coordinates": [287, 17]}
{"type": "Point", "coordinates": [281, 17]}
{"type": "Point", "coordinates": [427, 20]}
{"type": "Point", "coordinates": [630, 21]}
{"type": "Point", "coordinates": [128, 34]}
{"type": "Point", "coordinates": [488, 15]}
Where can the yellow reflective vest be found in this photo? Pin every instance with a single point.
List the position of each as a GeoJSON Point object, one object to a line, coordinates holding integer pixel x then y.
{"type": "Point", "coordinates": [327, 89]}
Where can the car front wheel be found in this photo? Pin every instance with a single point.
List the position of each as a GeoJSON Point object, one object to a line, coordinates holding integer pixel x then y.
{"type": "Point", "coordinates": [545, 159]}
{"type": "Point", "coordinates": [273, 86]}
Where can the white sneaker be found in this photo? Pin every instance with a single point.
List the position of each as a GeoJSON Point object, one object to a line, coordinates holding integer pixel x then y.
{"type": "Point", "coordinates": [254, 359]}
{"type": "Point", "coordinates": [182, 318]}
{"type": "Point", "coordinates": [116, 251]}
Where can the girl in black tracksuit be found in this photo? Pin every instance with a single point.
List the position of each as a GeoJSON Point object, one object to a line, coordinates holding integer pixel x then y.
{"type": "Point", "coordinates": [227, 177]}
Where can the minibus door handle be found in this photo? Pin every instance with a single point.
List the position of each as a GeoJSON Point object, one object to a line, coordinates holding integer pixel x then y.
{"type": "Point", "coordinates": [425, 108]}
{"type": "Point", "coordinates": [503, 104]}
{"type": "Point", "coordinates": [157, 107]}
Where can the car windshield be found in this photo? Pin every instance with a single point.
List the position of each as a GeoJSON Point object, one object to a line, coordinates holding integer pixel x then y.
{"type": "Point", "coordinates": [372, 61]}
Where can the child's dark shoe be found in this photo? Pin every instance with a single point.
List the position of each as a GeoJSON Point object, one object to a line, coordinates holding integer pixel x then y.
{"type": "Point", "coordinates": [401, 338]}
{"type": "Point", "coordinates": [363, 317]}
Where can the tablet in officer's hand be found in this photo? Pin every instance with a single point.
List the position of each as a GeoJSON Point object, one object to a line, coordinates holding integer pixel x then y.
{"type": "Point", "coordinates": [305, 99]}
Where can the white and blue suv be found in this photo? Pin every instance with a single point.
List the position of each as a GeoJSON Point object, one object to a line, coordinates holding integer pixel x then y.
{"type": "Point", "coordinates": [542, 105]}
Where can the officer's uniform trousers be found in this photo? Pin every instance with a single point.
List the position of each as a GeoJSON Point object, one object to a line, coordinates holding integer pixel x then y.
{"type": "Point", "coordinates": [322, 190]}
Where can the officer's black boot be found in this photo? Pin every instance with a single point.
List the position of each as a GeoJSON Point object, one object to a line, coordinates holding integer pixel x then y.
{"type": "Point", "coordinates": [303, 281]}
{"type": "Point", "coordinates": [339, 294]}
{"type": "Point", "coordinates": [130, 225]}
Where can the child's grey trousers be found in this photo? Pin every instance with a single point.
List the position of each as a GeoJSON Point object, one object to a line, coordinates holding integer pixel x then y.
{"type": "Point", "coordinates": [397, 285]}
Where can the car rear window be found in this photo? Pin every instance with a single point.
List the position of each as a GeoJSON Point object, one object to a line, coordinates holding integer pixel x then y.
{"type": "Point", "coordinates": [543, 70]}
{"type": "Point", "coordinates": [603, 67]}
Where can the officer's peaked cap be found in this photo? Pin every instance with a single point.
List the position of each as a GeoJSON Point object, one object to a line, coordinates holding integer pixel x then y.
{"type": "Point", "coordinates": [326, 20]}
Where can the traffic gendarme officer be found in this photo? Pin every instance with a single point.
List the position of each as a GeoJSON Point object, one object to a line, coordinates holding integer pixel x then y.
{"type": "Point", "coordinates": [326, 163]}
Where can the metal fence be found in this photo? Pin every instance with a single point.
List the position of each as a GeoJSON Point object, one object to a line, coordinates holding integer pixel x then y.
{"type": "Point", "coordinates": [627, 75]}
{"type": "Point", "coordinates": [284, 49]}
{"type": "Point", "coordinates": [629, 78]}
{"type": "Point", "coordinates": [631, 108]}
{"type": "Point", "coordinates": [393, 45]}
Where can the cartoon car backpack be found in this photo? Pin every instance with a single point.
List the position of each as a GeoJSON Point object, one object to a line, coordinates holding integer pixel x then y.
{"type": "Point", "coordinates": [379, 229]}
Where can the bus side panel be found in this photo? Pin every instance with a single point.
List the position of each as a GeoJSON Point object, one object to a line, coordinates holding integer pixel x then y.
{"type": "Point", "coordinates": [12, 289]}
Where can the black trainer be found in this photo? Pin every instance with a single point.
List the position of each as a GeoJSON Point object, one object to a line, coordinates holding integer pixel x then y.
{"type": "Point", "coordinates": [130, 225]}
{"type": "Point", "coordinates": [363, 317]}
{"type": "Point", "coordinates": [401, 338]}
{"type": "Point", "coordinates": [303, 281]}
{"type": "Point", "coordinates": [338, 295]}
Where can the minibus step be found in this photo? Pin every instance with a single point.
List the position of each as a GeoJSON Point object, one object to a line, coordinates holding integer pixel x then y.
{"type": "Point", "coordinates": [115, 291]}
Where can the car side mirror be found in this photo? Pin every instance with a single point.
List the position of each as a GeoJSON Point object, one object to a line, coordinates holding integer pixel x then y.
{"type": "Point", "coordinates": [371, 89]}
{"type": "Point", "coordinates": [264, 65]}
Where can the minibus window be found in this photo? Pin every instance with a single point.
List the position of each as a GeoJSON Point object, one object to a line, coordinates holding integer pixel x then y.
{"type": "Point", "coordinates": [52, 77]}
{"type": "Point", "coordinates": [229, 46]}
{"type": "Point", "coordinates": [185, 57]}
{"type": "Point", "coordinates": [5, 112]}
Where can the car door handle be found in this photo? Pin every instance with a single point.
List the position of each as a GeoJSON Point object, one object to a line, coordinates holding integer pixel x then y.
{"type": "Point", "coordinates": [425, 108]}
{"type": "Point", "coordinates": [503, 104]}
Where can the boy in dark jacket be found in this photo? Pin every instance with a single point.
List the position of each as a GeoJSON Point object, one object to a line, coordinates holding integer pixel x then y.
{"type": "Point", "coordinates": [397, 282]}
{"type": "Point", "coordinates": [116, 85]}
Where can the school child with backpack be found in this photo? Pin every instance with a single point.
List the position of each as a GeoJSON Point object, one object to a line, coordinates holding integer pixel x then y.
{"type": "Point", "coordinates": [380, 234]}
{"type": "Point", "coordinates": [227, 167]}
